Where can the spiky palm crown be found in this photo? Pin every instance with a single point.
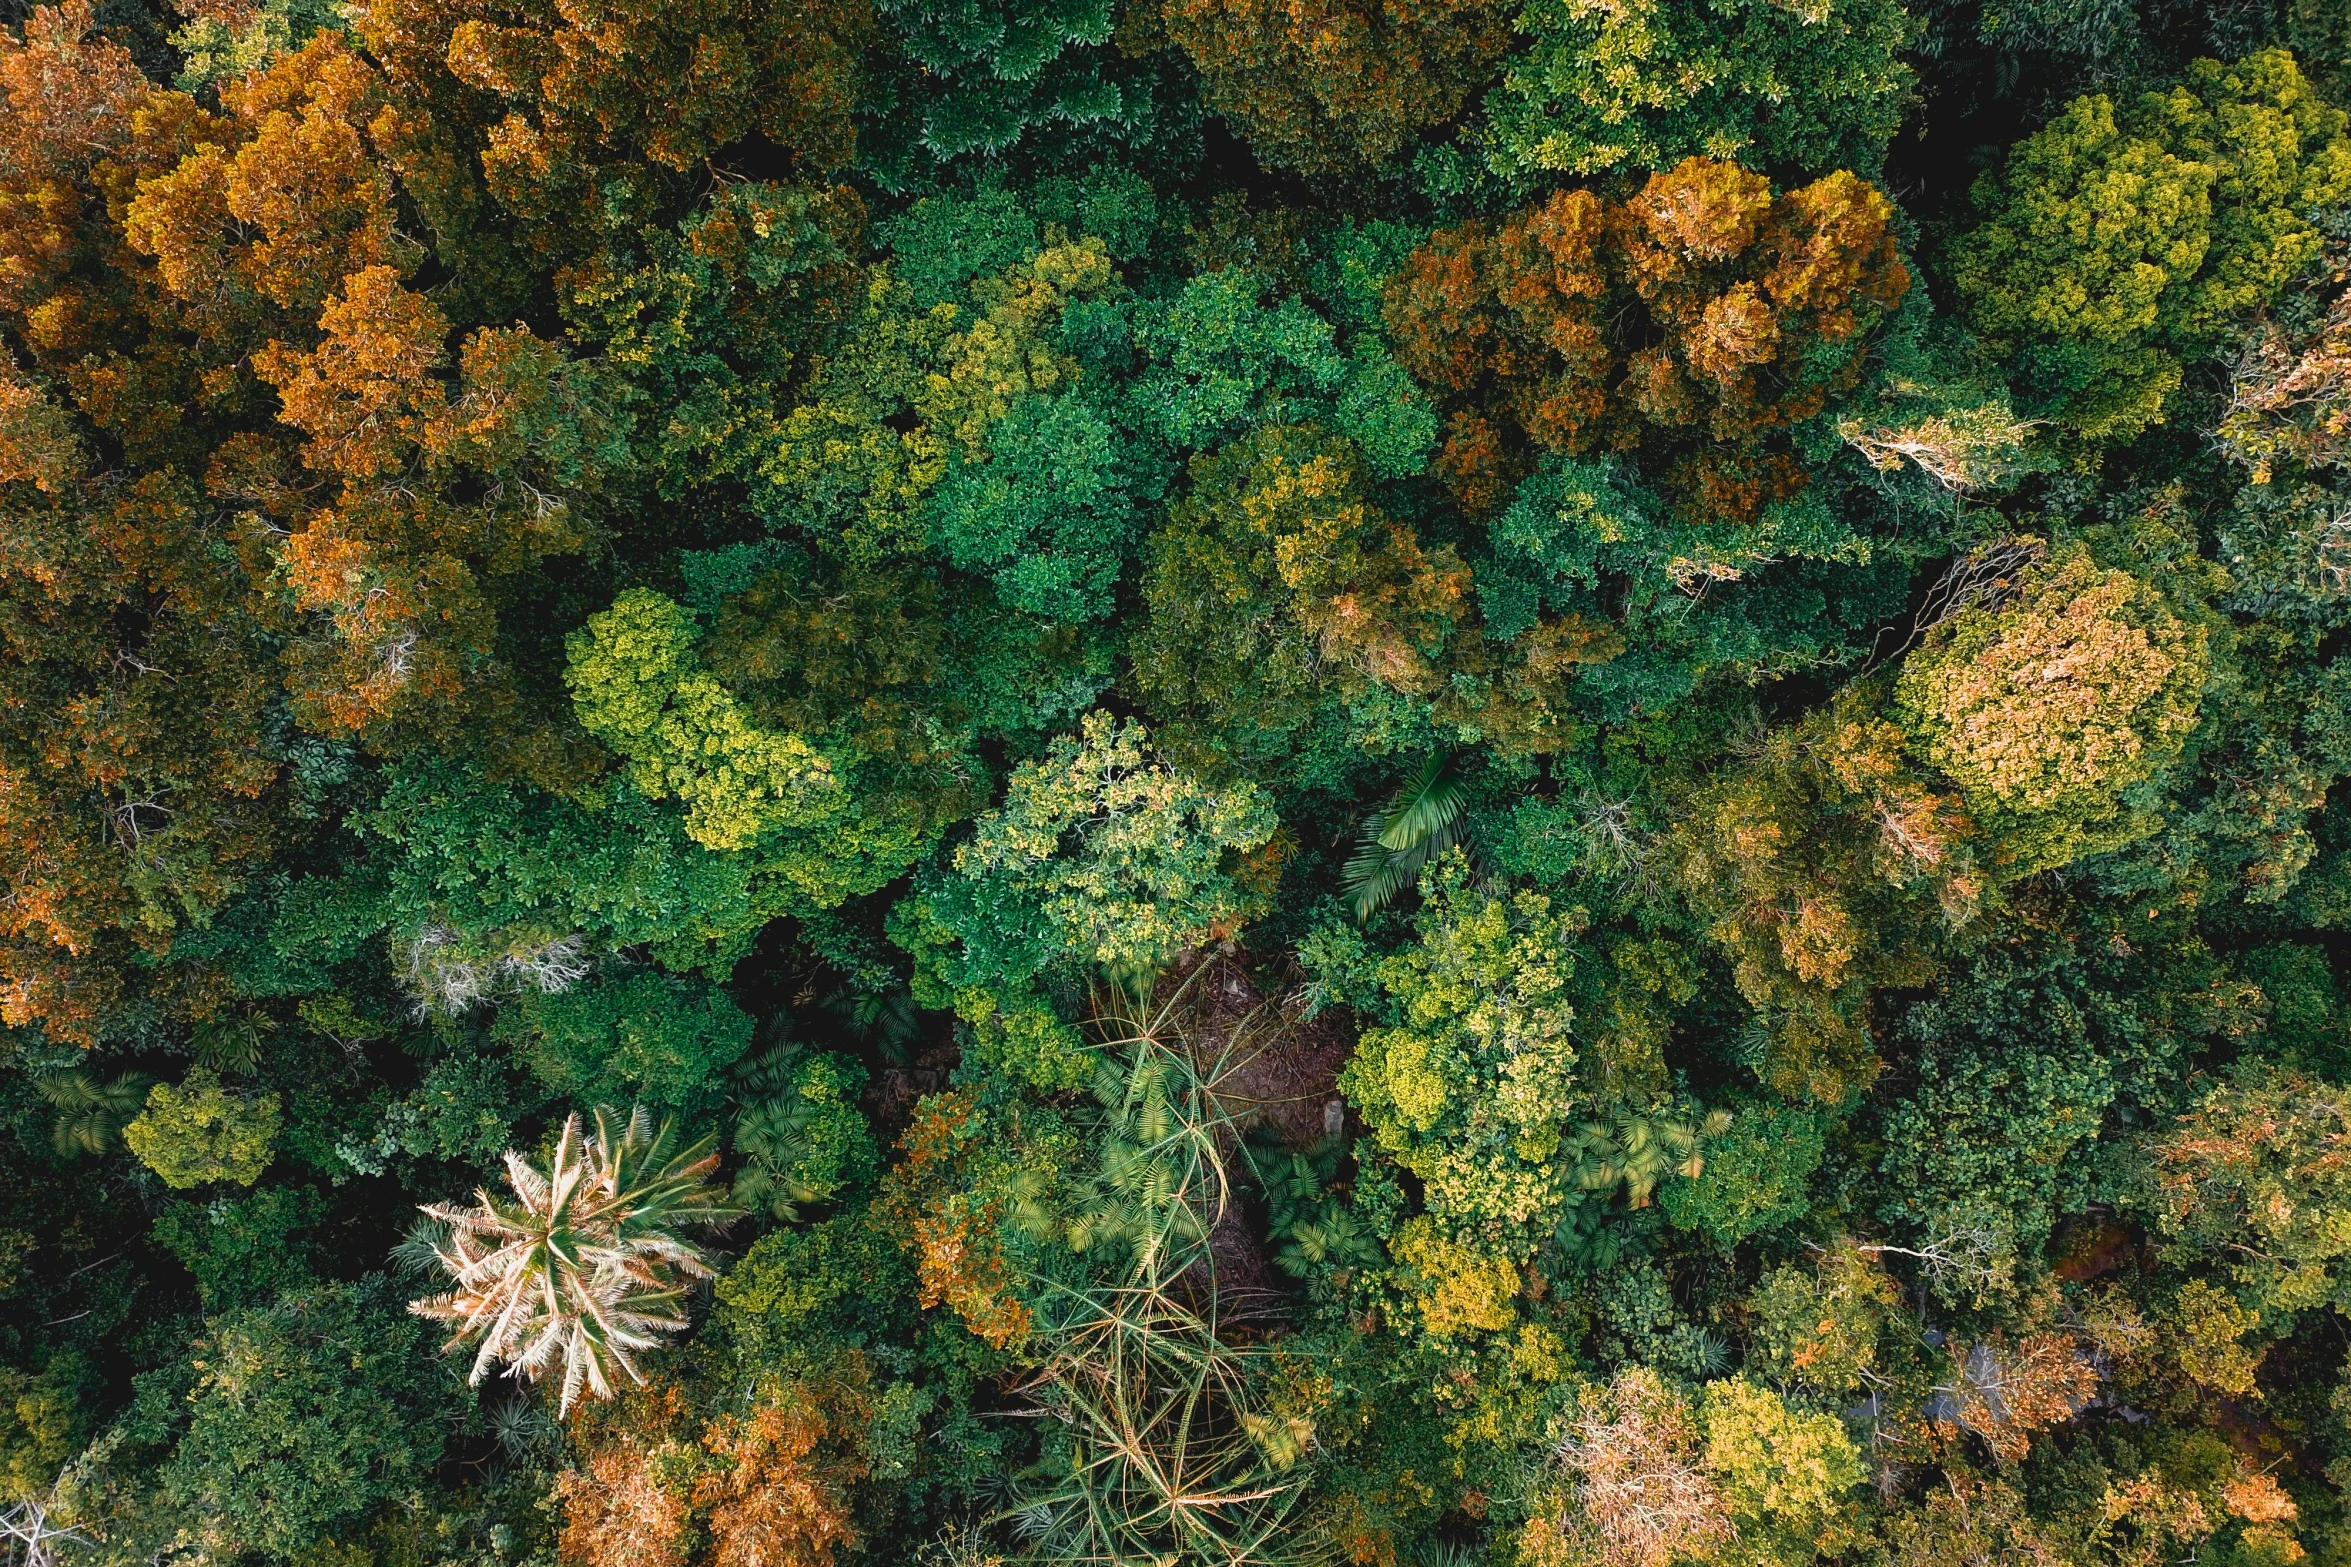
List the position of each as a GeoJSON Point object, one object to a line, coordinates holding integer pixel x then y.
{"type": "Point", "coordinates": [1162, 1449]}
{"type": "Point", "coordinates": [584, 1266]}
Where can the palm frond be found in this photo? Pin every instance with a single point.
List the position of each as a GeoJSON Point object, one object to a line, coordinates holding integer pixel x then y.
{"type": "Point", "coordinates": [585, 1265]}
{"type": "Point", "coordinates": [90, 1114]}
{"type": "Point", "coordinates": [1163, 1452]}
{"type": "Point", "coordinates": [1426, 816]}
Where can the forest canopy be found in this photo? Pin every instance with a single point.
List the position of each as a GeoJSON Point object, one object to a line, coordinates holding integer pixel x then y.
{"type": "Point", "coordinates": [1175, 783]}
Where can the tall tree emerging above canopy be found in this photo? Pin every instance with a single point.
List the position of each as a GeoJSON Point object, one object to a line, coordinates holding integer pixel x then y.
{"type": "Point", "coordinates": [2046, 712]}
{"type": "Point", "coordinates": [586, 1262]}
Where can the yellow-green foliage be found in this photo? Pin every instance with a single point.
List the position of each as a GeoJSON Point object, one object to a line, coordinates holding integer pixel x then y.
{"type": "Point", "coordinates": [42, 1425]}
{"type": "Point", "coordinates": [1460, 1288]}
{"type": "Point", "coordinates": [640, 688]}
{"type": "Point", "coordinates": [911, 389]}
{"type": "Point", "coordinates": [638, 684]}
{"type": "Point", "coordinates": [2046, 711]}
{"type": "Point", "coordinates": [198, 1132]}
{"type": "Point", "coordinates": [2120, 241]}
{"type": "Point", "coordinates": [1648, 83]}
{"type": "Point", "coordinates": [1471, 1082]}
{"type": "Point", "coordinates": [1776, 1466]}
{"type": "Point", "coordinates": [1015, 1034]}
{"type": "Point", "coordinates": [1127, 859]}
{"type": "Point", "coordinates": [1008, 353]}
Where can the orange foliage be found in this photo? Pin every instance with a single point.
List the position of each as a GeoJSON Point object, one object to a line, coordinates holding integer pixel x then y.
{"type": "Point", "coordinates": [1332, 84]}
{"type": "Point", "coordinates": [2005, 1391]}
{"type": "Point", "coordinates": [162, 270]}
{"type": "Point", "coordinates": [928, 1198]}
{"type": "Point", "coordinates": [1697, 321]}
{"type": "Point", "coordinates": [276, 235]}
{"type": "Point", "coordinates": [132, 686]}
{"type": "Point", "coordinates": [626, 1506]}
{"type": "Point", "coordinates": [618, 1511]}
{"type": "Point", "coordinates": [585, 111]}
{"type": "Point", "coordinates": [777, 1498]}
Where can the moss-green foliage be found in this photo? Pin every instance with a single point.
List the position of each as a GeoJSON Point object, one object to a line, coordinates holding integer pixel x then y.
{"type": "Point", "coordinates": [801, 1136]}
{"type": "Point", "coordinates": [630, 1037]}
{"type": "Point", "coordinates": [243, 1251]}
{"type": "Point", "coordinates": [877, 580]}
{"type": "Point", "coordinates": [2120, 241]}
{"type": "Point", "coordinates": [987, 75]}
{"type": "Point", "coordinates": [304, 1417]}
{"type": "Point", "coordinates": [505, 868]}
{"type": "Point", "coordinates": [1755, 1178]}
{"type": "Point", "coordinates": [1649, 84]}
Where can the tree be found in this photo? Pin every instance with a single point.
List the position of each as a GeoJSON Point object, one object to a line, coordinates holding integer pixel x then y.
{"type": "Point", "coordinates": [585, 1264]}
{"type": "Point", "coordinates": [1471, 1082]}
{"type": "Point", "coordinates": [2290, 396]}
{"type": "Point", "coordinates": [1101, 854]}
{"type": "Point", "coordinates": [778, 1501]}
{"type": "Point", "coordinates": [1778, 1468]}
{"type": "Point", "coordinates": [198, 1132]}
{"type": "Point", "coordinates": [136, 784]}
{"type": "Point", "coordinates": [2047, 711]}
{"type": "Point", "coordinates": [1337, 86]}
{"type": "Point", "coordinates": [1698, 321]}
{"type": "Point", "coordinates": [2251, 1175]}
{"type": "Point", "coordinates": [1754, 1178]}
{"type": "Point", "coordinates": [1166, 1444]}
{"type": "Point", "coordinates": [306, 1416]}
{"type": "Point", "coordinates": [2196, 207]}
{"type": "Point", "coordinates": [489, 887]}
{"type": "Point", "coordinates": [1636, 1492]}
{"type": "Point", "coordinates": [1650, 84]}
{"type": "Point", "coordinates": [585, 120]}
{"type": "Point", "coordinates": [1280, 575]}
{"type": "Point", "coordinates": [989, 77]}
{"type": "Point", "coordinates": [802, 1140]}
{"type": "Point", "coordinates": [646, 1035]}
{"type": "Point", "coordinates": [1821, 867]}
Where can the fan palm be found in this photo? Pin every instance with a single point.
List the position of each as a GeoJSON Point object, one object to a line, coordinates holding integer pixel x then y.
{"type": "Point", "coordinates": [584, 1265]}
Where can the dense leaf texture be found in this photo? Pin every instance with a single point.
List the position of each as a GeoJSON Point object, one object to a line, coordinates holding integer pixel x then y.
{"type": "Point", "coordinates": [1419, 783]}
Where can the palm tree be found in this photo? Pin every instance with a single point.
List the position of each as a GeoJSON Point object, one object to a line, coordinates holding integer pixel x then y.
{"type": "Point", "coordinates": [90, 1114]}
{"type": "Point", "coordinates": [1428, 814]}
{"type": "Point", "coordinates": [1162, 1446]}
{"type": "Point", "coordinates": [584, 1264]}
